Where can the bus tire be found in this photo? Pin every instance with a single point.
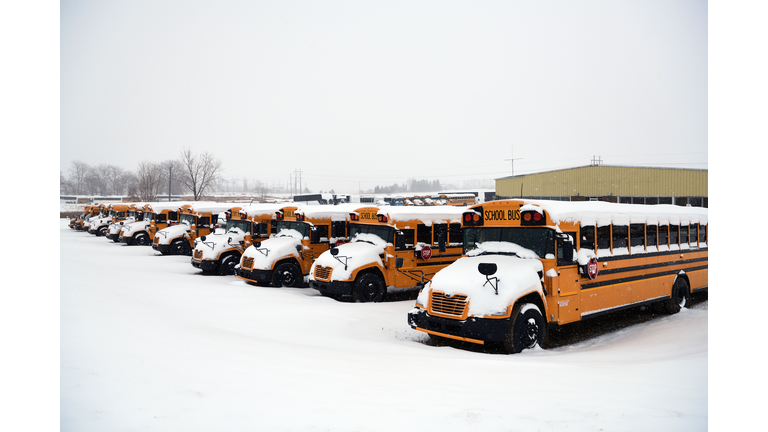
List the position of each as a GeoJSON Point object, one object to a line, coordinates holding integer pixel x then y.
{"type": "Point", "coordinates": [228, 263]}
{"type": "Point", "coordinates": [370, 288]}
{"type": "Point", "coordinates": [178, 247]}
{"type": "Point", "coordinates": [101, 232]}
{"type": "Point", "coordinates": [141, 239]}
{"type": "Point", "coordinates": [288, 275]}
{"type": "Point", "coordinates": [679, 298]}
{"type": "Point", "coordinates": [527, 328]}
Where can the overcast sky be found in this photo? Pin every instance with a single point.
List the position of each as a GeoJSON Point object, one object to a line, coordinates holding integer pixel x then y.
{"type": "Point", "coordinates": [356, 94]}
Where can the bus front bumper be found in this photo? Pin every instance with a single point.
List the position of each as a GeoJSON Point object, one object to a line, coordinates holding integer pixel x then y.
{"type": "Point", "coordinates": [333, 289]}
{"type": "Point", "coordinates": [475, 330]}
{"type": "Point", "coordinates": [205, 265]}
{"type": "Point", "coordinates": [259, 277]}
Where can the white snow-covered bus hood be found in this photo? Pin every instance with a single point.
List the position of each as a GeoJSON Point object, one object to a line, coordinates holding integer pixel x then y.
{"type": "Point", "coordinates": [167, 234]}
{"type": "Point", "coordinates": [355, 255]}
{"type": "Point", "coordinates": [516, 277]}
{"type": "Point", "coordinates": [215, 244]}
{"type": "Point", "coordinates": [129, 229]}
{"type": "Point", "coordinates": [119, 227]}
{"type": "Point", "coordinates": [273, 249]}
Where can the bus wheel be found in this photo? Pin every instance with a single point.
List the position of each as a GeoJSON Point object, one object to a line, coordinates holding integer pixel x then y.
{"type": "Point", "coordinates": [527, 328]}
{"type": "Point", "coordinates": [141, 239]}
{"type": "Point", "coordinates": [680, 297]}
{"type": "Point", "coordinates": [177, 247]}
{"type": "Point", "coordinates": [101, 232]}
{"type": "Point", "coordinates": [370, 288]}
{"type": "Point", "coordinates": [227, 266]}
{"type": "Point", "coordinates": [288, 275]}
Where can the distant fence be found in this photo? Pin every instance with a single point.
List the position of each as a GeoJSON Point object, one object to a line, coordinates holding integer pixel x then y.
{"type": "Point", "coordinates": [71, 214]}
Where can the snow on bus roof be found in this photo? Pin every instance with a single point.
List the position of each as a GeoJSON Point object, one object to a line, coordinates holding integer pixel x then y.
{"type": "Point", "coordinates": [604, 213]}
{"type": "Point", "coordinates": [211, 206]}
{"type": "Point", "coordinates": [258, 209]}
{"type": "Point", "coordinates": [426, 214]}
{"type": "Point", "coordinates": [337, 212]}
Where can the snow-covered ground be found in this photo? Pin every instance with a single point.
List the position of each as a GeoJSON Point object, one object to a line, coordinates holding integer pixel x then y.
{"type": "Point", "coordinates": [149, 343]}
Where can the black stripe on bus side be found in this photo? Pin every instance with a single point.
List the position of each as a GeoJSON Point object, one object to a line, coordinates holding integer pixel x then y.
{"type": "Point", "coordinates": [650, 266]}
{"type": "Point", "coordinates": [641, 277]}
{"type": "Point", "coordinates": [429, 263]}
{"type": "Point", "coordinates": [652, 254]}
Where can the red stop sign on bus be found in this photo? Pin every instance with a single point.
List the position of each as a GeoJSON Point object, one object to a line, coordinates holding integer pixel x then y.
{"type": "Point", "coordinates": [592, 268]}
{"type": "Point", "coordinates": [426, 253]}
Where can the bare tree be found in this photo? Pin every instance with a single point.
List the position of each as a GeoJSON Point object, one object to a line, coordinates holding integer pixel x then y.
{"type": "Point", "coordinates": [77, 174]}
{"type": "Point", "coordinates": [201, 172]}
{"type": "Point", "coordinates": [149, 181]}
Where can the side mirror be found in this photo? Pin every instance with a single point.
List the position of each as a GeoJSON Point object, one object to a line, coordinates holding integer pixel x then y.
{"type": "Point", "coordinates": [257, 244]}
{"type": "Point", "coordinates": [399, 240]}
{"type": "Point", "coordinates": [202, 238]}
{"type": "Point", "coordinates": [298, 248]}
{"type": "Point", "coordinates": [487, 269]}
{"type": "Point", "coordinates": [441, 242]}
{"type": "Point", "coordinates": [334, 251]}
{"type": "Point", "coordinates": [399, 263]}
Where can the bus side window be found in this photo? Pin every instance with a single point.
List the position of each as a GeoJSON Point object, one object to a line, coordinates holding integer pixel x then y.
{"type": "Point", "coordinates": [321, 233]}
{"type": "Point", "coordinates": [161, 217]}
{"type": "Point", "coordinates": [455, 234]}
{"type": "Point", "coordinates": [663, 237]}
{"type": "Point", "coordinates": [424, 234]}
{"type": "Point", "coordinates": [204, 220]}
{"type": "Point", "coordinates": [408, 234]}
{"type": "Point", "coordinates": [561, 245]}
{"type": "Point", "coordinates": [637, 235]}
{"type": "Point", "coordinates": [173, 216]}
{"type": "Point", "coordinates": [587, 237]}
{"type": "Point", "coordinates": [620, 238]}
{"type": "Point", "coordinates": [650, 237]}
{"type": "Point", "coordinates": [338, 229]}
{"type": "Point", "coordinates": [674, 236]}
{"type": "Point", "coordinates": [604, 238]}
{"type": "Point", "coordinates": [702, 235]}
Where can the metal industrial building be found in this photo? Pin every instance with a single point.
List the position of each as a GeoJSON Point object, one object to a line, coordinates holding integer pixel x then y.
{"type": "Point", "coordinates": [620, 184]}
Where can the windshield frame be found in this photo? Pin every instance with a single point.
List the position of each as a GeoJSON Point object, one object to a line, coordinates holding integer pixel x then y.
{"type": "Point", "coordinates": [302, 227]}
{"type": "Point", "coordinates": [377, 230]}
{"type": "Point", "coordinates": [242, 224]}
{"type": "Point", "coordinates": [540, 240]}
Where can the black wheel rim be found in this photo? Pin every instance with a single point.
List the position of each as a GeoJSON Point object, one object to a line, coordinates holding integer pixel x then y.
{"type": "Point", "coordinates": [530, 333]}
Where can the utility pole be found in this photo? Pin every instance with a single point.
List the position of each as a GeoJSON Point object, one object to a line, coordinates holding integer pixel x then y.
{"type": "Point", "coordinates": [597, 161]}
{"type": "Point", "coordinates": [513, 160]}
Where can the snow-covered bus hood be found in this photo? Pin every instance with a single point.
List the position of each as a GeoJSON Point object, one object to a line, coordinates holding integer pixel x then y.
{"type": "Point", "coordinates": [516, 277]}
{"type": "Point", "coordinates": [167, 234]}
{"type": "Point", "coordinates": [215, 244]}
{"type": "Point", "coordinates": [272, 250]}
{"type": "Point", "coordinates": [129, 229]}
{"type": "Point", "coordinates": [99, 221]}
{"type": "Point", "coordinates": [116, 228]}
{"type": "Point", "coordinates": [355, 255]}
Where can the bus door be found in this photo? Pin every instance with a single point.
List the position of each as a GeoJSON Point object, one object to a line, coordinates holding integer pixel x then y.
{"type": "Point", "coordinates": [566, 286]}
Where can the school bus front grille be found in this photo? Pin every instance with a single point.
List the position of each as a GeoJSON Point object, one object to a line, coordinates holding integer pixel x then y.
{"type": "Point", "coordinates": [247, 263]}
{"type": "Point", "coordinates": [323, 273]}
{"type": "Point", "coordinates": [198, 254]}
{"type": "Point", "coordinates": [442, 304]}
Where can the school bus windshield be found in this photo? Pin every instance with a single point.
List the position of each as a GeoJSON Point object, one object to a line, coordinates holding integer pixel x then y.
{"type": "Point", "coordinates": [241, 224]}
{"type": "Point", "coordinates": [190, 219]}
{"type": "Point", "coordinates": [301, 227]}
{"type": "Point", "coordinates": [538, 240]}
{"type": "Point", "coordinates": [387, 234]}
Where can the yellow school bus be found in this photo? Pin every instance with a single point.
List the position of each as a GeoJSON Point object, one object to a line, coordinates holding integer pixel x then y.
{"type": "Point", "coordinates": [195, 220]}
{"type": "Point", "coordinates": [530, 265]}
{"type": "Point", "coordinates": [220, 251]}
{"type": "Point", "coordinates": [79, 223]}
{"type": "Point", "coordinates": [109, 214]}
{"type": "Point", "coordinates": [302, 234]}
{"type": "Point", "coordinates": [391, 249]}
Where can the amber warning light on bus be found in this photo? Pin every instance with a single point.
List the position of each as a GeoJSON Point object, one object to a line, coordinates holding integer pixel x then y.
{"type": "Point", "coordinates": [473, 218]}
{"type": "Point", "coordinates": [383, 218]}
{"type": "Point", "coordinates": [532, 218]}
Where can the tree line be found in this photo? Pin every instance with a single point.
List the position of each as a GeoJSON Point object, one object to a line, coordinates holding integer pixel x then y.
{"type": "Point", "coordinates": [192, 173]}
{"type": "Point", "coordinates": [412, 185]}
